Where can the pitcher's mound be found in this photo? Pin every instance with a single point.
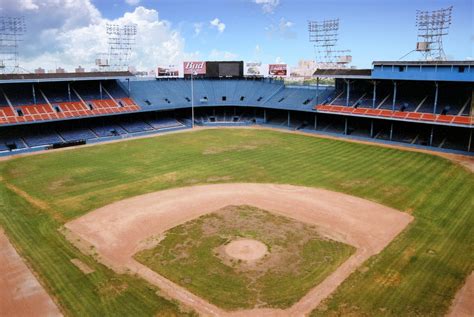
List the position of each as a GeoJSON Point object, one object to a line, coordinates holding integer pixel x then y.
{"type": "Point", "coordinates": [246, 249]}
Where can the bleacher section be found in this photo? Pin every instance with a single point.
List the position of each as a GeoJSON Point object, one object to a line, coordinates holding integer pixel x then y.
{"type": "Point", "coordinates": [383, 113]}
{"type": "Point", "coordinates": [414, 101]}
{"type": "Point", "coordinates": [17, 104]}
{"type": "Point", "coordinates": [176, 93]}
{"type": "Point", "coordinates": [107, 110]}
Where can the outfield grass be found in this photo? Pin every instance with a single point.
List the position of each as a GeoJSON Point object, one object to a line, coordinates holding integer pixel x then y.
{"type": "Point", "coordinates": [417, 274]}
{"type": "Point", "coordinates": [299, 258]}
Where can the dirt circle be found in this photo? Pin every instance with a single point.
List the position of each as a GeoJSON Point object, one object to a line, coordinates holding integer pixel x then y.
{"type": "Point", "coordinates": [246, 249]}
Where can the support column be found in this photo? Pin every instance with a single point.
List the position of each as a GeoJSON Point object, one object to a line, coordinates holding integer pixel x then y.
{"type": "Point", "coordinates": [317, 90]}
{"type": "Point", "coordinates": [391, 131]}
{"type": "Point", "coordinates": [348, 92]}
{"type": "Point", "coordinates": [371, 128]}
{"type": "Point", "coordinates": [345, 126]}
{"type": "Point", "coordinates": [69, 91]}
{"type": "Point", "coordinates": [33, 92]}
{"type": "Point", "coordinates": [315, 121]}
{"type": "Point", "coordinates": [100, 90]}
{"type": "Point", "coordinates": [435, 98]}
{"type": "Point", "coordinates": [394, 95]}
{"type": "Point", "coordinates": [128, 83]}
{"type": "Point", "coordinates": [374, 97]}
{"type": "Point", "coordinates": [470, 141]}
{"type": "Point", "coordinates": [431, 136]}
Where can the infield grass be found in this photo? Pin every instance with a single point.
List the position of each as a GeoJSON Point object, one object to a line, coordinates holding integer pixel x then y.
{"type": "Point", "coordinates": [193, 256]}
{"type": "Point", "coordinates": [417, 274]}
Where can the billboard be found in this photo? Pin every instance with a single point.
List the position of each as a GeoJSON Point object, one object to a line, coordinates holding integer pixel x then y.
{"type": "Point", "coordinates": [253, 69]}
{"type": "Point", "coordinates": [167, 71]}
{"type": "Point", "coordinates": [277, 69]}
{"type": "Point", "coordinates": [198, 68]}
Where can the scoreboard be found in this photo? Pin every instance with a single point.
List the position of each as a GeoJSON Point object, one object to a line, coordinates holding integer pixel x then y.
{"type": "Point", "coordinates": [224, 69]}
{"type": "Point", "coordinates": [217, 69]}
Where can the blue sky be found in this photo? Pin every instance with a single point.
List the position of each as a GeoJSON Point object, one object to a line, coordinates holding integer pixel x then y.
{"type": "Point", "coordinates": [65, 33]}
{"type": "Point", "coordinates": [373, 30]}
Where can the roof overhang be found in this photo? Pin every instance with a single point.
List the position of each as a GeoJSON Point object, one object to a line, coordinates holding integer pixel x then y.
{"type": "Point", "coordinates": [58, 77]}
{"type": "Point", "coordinates": [423, 63]}
{"type": "Point", "coordinates": [344, 73]}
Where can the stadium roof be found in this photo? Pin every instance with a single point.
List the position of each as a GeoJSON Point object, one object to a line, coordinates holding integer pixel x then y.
{"type": "Point", "coordinates": [50, 77]}
{"type": "Point", "coordinates": [423, 63]}
{"type": "Point", "coordinates": [344, 73]}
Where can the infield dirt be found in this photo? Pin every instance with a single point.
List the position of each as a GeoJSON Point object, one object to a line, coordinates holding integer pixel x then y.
{"type": "Point", "coordinates": [120, 230]}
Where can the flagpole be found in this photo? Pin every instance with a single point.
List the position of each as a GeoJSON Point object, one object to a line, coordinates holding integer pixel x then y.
{"type": "Point", "coordinates": [192, 100]}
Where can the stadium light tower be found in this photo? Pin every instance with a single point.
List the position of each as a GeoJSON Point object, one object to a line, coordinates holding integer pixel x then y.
{"type": "Point", "coordinates": [12, 30]}
{"type": "Point", "coordinates": [121, 40]}
{"type": "Point", "coordinates": [432, 27]}
{"type": "Point", "coordinates": [324, 35]}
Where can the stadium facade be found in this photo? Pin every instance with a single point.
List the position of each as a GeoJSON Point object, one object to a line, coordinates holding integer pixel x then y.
{"type": "Point", "coordinates": [418, 104]}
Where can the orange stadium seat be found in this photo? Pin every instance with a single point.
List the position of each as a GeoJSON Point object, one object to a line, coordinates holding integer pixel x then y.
{"type": "Point", "coordinates": [397, 114]}
{"type": "Point", "coordinates": [41, 112]}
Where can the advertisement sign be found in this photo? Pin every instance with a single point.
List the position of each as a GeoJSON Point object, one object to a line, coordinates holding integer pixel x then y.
{"type": "Point", "coordinates": [167, 71]}
{"type": "Point", "coordinates": [253, 69]}
{"type": "Point", "coordinates": [198, 68]}
{"type": "Point", "coordinates": [277, 69]}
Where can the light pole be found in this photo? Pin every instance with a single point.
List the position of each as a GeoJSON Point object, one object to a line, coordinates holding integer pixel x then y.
{"type": "Point", "coordinates": [192, 99]}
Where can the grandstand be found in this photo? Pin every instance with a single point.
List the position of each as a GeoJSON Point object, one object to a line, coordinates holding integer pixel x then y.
{"type": "Point", "coordinates": [427, 104]}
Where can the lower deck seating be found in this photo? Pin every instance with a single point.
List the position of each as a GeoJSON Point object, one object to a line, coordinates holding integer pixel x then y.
{"type": "Point", "coordinates": [107, 130]}
{"type": "Point", "coordinates": [135, 126]}
{"type": "Point", "coordinates": [77, 134]}
{"type": "Point", "coordinates": [164, 123]}
{"type": "Point", "coordinates": [38, 138]}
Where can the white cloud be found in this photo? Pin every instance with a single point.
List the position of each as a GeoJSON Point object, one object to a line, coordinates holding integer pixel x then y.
{"type": "Point", "coordinates": [279, 60]}
{"type": "Point", "coordinates": [198, 28]}
{"type": "Point", "coordinates": [268, 6]}
{"type": "Point", "coordinates": [283, 29]}
{"type": "Point", "coordinates": [218, 25]}
{"type": "Point", "coordinates": [68, 33]}
{"type": "Point", "coordinates": [132, 2]}
{"type": "Point", "coordinates": [27, 5]}
{"type": "Point", "coordinates": [222, 55]}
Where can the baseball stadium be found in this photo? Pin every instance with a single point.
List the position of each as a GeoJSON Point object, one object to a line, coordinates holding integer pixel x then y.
{"type": "Point", "coordinates": [223, 187]}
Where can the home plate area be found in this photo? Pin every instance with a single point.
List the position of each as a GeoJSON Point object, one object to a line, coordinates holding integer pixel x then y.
{"type": "Point", "coordinates": [240, 249]}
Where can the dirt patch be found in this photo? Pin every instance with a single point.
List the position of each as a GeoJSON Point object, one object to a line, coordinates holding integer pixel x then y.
{"type": "Point", "coordinates": [20, 292]}
{"type": "Point", "coordinates": [86, 269]}
{"type": "Point", "coordinates": [247, 250]}
{"type": "Point", "coordinates": [116, 230]}
{"type": "Point", "coordinates": [463, 304]}
{"type": "Point", "coordinates": [213, 179]}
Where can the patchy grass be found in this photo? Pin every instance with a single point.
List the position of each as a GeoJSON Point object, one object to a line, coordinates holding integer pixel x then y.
{"type": "Point", "coordinates": [193, 256]}
{"type": "Point", "coordinates": [432, 257]}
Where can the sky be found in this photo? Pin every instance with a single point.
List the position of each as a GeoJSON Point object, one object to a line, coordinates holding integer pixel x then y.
{"type": "Point", "coordinates": [68, 33]}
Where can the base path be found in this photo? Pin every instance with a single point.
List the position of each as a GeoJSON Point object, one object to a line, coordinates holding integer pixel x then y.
{"type": "Point", "coordinates": [119, 230]}
{"type": "Point", "coordinates": [20, 292]}
{"type": "Point", "coordinates": [463, 304]}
